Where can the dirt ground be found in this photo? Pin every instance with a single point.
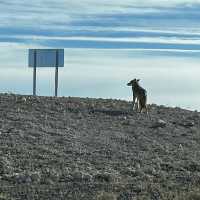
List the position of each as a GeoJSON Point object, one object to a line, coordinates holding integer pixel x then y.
{"type": "Point", "coordinates": [83, 148]}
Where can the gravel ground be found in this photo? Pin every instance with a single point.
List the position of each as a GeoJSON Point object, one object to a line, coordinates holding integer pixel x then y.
{"type": "Point", "coordinates": [83, 148]}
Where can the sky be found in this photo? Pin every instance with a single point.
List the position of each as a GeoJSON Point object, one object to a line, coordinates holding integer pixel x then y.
{"type": "Point", "coordinates": [107, 43]}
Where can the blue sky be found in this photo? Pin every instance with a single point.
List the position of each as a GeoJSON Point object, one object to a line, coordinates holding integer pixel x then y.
{"type": "Point", "coordinates": [106, 43]}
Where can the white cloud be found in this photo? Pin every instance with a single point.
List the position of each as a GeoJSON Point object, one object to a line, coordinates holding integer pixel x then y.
{"type": "Point", "coordinates": [163, 40]}
{"type": "Point", "coordinates": [51, 12]}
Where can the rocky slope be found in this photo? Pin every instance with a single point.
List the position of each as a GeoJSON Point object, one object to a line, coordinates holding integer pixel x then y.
{"type": "Point", "coordinates": [81, 148]}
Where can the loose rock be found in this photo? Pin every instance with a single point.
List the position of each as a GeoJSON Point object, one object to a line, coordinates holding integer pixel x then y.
{"type": "Point", "coordinates": [158, 124]}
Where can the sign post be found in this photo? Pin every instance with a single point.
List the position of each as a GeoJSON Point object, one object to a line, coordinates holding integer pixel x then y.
{"type": "Point", "coordinates": [46, 58]}
{"type": "Point", "coordinates": [56, 75]}
{"type": "Point", "coordinates": [34, 73]}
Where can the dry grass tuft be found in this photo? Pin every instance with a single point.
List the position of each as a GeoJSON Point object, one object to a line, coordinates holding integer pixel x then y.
{"type": "Point", "coordinates": [106, 196]}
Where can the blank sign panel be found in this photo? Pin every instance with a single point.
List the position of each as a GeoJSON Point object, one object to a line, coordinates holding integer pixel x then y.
{"type": "Point", "coordinates": [46, 57]}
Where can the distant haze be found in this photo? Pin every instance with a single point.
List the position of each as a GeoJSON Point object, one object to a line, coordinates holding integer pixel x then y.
{"type": "Point", "coordinates": [106, 44]}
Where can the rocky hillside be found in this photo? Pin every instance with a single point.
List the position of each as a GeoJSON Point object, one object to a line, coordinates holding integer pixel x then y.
{"type": "Point", "coordinates": [81, 148]}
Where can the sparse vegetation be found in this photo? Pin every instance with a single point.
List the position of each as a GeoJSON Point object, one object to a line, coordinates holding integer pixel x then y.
{"type": "Point", "coordinates": [81, 148]}
{"type": "Point", "coordinates": [106, 196]}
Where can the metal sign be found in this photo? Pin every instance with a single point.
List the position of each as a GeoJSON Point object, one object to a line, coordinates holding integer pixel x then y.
{"type": "Point", "coordinates": [46, 58]}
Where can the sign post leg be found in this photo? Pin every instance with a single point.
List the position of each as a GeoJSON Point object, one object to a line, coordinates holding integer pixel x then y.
{"type": "Point", "coordinates": [34, 74]}
{"type": "Point", "coordinates": [56, 82]}
{"type": "Point", "coordinates": [56, 75]}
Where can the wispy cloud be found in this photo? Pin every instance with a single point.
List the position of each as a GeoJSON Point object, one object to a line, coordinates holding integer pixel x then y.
{"type": "Point", "coordinates": [150, 24]}
{"type": "Point", "coordinates": [161, 40]}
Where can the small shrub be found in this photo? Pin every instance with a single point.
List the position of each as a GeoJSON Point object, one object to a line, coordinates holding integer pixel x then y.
{"type": "Point", "coordinates": [106, 196]}
{"type": "Point", "coordinates": [193, 196]}
{"type": "Point", "coordinates": [3, 197]}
